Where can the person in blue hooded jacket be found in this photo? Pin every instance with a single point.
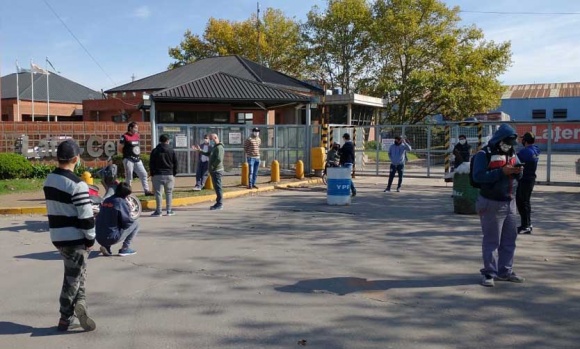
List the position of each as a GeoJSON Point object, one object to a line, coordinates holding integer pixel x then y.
{"type": "Point", "coordinates": [529, 155]}
{"type": "Point", "coordinates": [496, 170]}
{"type": "Point", "coordinates": [114, 222]}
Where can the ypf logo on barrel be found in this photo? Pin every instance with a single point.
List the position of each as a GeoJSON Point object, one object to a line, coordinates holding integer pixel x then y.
{"type": "Point", "coordinates": [338, 187]}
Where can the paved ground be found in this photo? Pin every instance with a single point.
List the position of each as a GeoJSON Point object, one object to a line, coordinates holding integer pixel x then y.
{"type": "Point", "coordinates": [396, 270]}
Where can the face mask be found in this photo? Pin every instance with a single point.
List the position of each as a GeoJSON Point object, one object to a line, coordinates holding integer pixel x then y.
{"type": "Point", "coordinates": [206, 140]}
{"type": "Point", "coordinates": [505, 147]}
{"type": "Point", "coordinates": [255, 134]}
{"type": "Point", "coordinates": [78, 164]}
{"type": "Point", "coordinates": [462, 141]}
{"type": "Point", "coordinates": [212, 142]}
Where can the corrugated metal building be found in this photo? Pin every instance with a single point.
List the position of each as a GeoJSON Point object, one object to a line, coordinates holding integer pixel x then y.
{"type": "Point", "coordinates": [542, 102]}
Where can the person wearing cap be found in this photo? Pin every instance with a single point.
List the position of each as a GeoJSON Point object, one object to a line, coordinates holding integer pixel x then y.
{"type": "Point", "coordinates": [252, 151]}
{"type": "Point", "coordinates": [529, 155]}
{"type": "Point", "coordinates": [216, 168]}
{"type": "Point", "coordinates": [496, 170]}
{"type": "Point", "coordinates": [462, 151]}
{"type": "Point", "coordinates": [163, 165]}
{"type": "Point", "coordinates": [129, 146]}
{"type": "Point", "coordinates": [347, 158]}
{"type": "Point", "coordinates": [398, 155]}
{"type": "Point", "coordinates": [72, 231]}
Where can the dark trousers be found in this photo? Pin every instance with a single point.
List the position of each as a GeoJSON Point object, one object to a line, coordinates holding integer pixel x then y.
{"type": "Point", "coordinates": [398, 169]}
{"type": "Point", "coordinates": [523, 195]}
{"type": "Point", "coordinates": [216, 178]}
{"type": "Point", "coordinates": [201, 173]}
{"type": "Point", "coordinates": [73, 285]}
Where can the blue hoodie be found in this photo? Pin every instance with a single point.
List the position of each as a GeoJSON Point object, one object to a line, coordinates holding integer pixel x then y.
{"type": "Point", "coordinates": [114, 217]}
{"type": "Point", "coordinates": [529, 156]}
{"type": "Point", "coordinates": [495, 185]}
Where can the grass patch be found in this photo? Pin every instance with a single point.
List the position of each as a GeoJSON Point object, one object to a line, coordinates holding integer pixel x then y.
{"type": "Point", "coordinates": [12, 186]}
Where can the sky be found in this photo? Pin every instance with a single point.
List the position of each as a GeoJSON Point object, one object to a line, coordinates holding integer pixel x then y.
{"type": "Point", "coordinates": [125, 39]}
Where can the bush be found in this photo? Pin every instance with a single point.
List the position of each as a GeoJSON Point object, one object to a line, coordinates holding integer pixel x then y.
{"type": "Point", "coordinates": [40, 170]}
{"type": "Point", "coordinates": [118, 160]}
{"type": "Point", "coordinates": [371, 145]}
{"type": "Point", "coordinates": [14, 166]}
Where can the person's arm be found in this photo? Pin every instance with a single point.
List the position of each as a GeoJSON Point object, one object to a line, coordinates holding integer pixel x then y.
{"type": "Point", "coordinates": [152, 163]}
{"type": "Point", "coordinates": [407, 145]}
{"type": "Point", "coordinates": [121, 145]}
{"type": "Point", "coordinates": [247, 147]}
{"type": "Point", "coordinates": [125, 219]}
{"type": "Point", "coordinates": [85, 215]}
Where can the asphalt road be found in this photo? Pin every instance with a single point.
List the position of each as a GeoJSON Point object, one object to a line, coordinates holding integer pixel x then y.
{"type": "Point", "coordinates": [396, 270]}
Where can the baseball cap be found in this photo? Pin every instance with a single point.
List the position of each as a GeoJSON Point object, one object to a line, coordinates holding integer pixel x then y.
{"type": "Point", "coordinates": [67, 150]}
{"type": "Point", "coordinates": [255, 129]}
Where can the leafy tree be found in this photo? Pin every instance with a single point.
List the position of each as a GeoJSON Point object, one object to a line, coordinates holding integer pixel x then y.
{"type": "Point", "coordinates": [339, 41]}
{"type": "Point", "coordinates": [277, 37]}
{"type": "Point", "coordinates": [426, 64]}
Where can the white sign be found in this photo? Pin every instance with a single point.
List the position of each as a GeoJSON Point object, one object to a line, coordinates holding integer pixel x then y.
{"type": "Point", "coordinates": [386, 143]}
{"type": "Point", "coordinates": [235, 137]}
{"type": "Point", "coordinates": [180, 141]}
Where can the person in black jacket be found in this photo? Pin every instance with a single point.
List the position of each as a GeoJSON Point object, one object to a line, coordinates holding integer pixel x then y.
{"type": "Point", "coordinates": [346, 153]}
{"type": "Point", "coordinates": [114, 222]}
{"type": "Point", "coordinates": [163, 167]}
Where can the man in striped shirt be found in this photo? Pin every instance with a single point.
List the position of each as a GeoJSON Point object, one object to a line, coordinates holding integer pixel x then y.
{"type": "Point", "coordinates": [252, 150]}
{"type": "Point", "coordinates": [72, 231]}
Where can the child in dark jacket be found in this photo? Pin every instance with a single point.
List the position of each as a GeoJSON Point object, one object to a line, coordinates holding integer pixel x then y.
{"type": "Point", "coordinates": [114, 222]}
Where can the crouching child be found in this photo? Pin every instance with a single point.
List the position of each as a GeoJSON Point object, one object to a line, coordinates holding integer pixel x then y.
{"type": "Point", "coordinates": [114, 223]}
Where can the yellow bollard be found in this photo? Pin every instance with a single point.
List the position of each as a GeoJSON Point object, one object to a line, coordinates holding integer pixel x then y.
{"type": "Point", "coordinates": [245, 174]}
{"type": "Point", "coordinates": [275, 172]}
{"type": "Point", "coordinates": [299, 169]}
{"type": "Point", "coordinates": [87, 177]}
{"type": "Point", "coordinates": [208, 184]}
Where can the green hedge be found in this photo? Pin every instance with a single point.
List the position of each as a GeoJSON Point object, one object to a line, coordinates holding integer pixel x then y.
{"type": "Point", "coordinates": [14, 166]}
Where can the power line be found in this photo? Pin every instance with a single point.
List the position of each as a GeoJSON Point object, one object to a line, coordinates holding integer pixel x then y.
{"type": "Point", "coordinates": [521, 13]}
{"type": "Point", "coordinates": [78, 41]}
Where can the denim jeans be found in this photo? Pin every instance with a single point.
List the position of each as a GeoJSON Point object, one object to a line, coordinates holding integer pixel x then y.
{"type": "Point", "coordinates": [254, 165]}
{"type": "Point", "coordinates": [349, 166]}
{"type": "Point", "coordinates": [398, 169]}
{"type": "Point", "coordinates": [201, 173]}
{"type": "Point", "coordinates": [128, 234]}
{"type": "Point", "coordinates": [216, 178]}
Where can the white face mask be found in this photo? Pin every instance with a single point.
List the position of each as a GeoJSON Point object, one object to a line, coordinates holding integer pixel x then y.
{"type": "Point", "coordinates": [255, 134]}
{"type": "Point", "coordinates": [505, 147]}
{"type": "Point", "coordinates": [462, 141]}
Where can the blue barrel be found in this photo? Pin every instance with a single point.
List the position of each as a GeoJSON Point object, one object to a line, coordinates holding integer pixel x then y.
{"type": "Point", "coordinates": [338, 187]}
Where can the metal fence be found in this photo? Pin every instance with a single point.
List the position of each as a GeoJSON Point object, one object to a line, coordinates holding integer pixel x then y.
{"type": "Point", "coordinates": [285, 143]}
{"type": "Point", "coordinates": [433, 144]}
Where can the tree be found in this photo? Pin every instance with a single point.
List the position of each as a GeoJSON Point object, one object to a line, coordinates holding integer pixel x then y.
{"type": "Point", "coordinates": [339, 41]}
{"type": "Point", "coordinates": [273, 41]}
{"type": "Point", "coordinates": [426, 64]}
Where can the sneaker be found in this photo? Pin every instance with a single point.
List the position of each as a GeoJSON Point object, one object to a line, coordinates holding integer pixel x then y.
{"type": "Point", "coordinates": [87, 323]}
{"type": "Point", "coordinates": [65, 325]}
{"type": "Point", "coordinates": [171, 213]}
{"type": "Point", "coordinates": [106, 251]}
{"type": "Point", "coordinates": [216, 207]}
{"type": "Point", "coordinates": [353, 194]}
{"type": "Point", "coordinates": [387, 190]}
{"type": "Point", "coordinates": [255, 187]}
{"type": "Point", "coordinates": [249, 187]}
{"type": "Point", "coordinates": [487, 281]}
{"type": "Point", "coordinates": [126, 252]}
{"type": "Point", "coordinates": [149, 193]}
{"type": "Point", "coordinates": [398, 190]}
{"type": "Point", "coordinates": [511, 278]}
{"type": "Point", "coordinates": [197, 188]}
{"type": "Point", "coordinates": [156, 214]}
{"type": "Point", "coordinates": [527, 230]}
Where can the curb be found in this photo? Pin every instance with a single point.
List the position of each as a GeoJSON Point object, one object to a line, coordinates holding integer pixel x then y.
{"type": "Point", "coordinates": [150, 204]}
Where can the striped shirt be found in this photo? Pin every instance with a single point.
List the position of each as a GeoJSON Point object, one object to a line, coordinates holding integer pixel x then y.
{"type": "Point", "coordinates": [252, 147]}
{"type": "Point", "coordinates": [70, 215]}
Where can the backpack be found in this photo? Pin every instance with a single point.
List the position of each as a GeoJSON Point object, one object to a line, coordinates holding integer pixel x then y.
{"type": "Point", "coordinates": [487, 152]}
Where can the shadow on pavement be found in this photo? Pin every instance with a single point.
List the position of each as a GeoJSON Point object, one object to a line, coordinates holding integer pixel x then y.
{"type": "Point", "coordinates": [346, 285]}
{"type": "Point", "coordinates": [11, 328]}
{"type": "Point", "coordinates": [30, 226]}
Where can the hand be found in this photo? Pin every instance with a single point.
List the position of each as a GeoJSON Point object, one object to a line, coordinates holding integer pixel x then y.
{"type": "Point", "coordinates": [511, 170]}
{"type": "Point", "coordinates": [195, 147]}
